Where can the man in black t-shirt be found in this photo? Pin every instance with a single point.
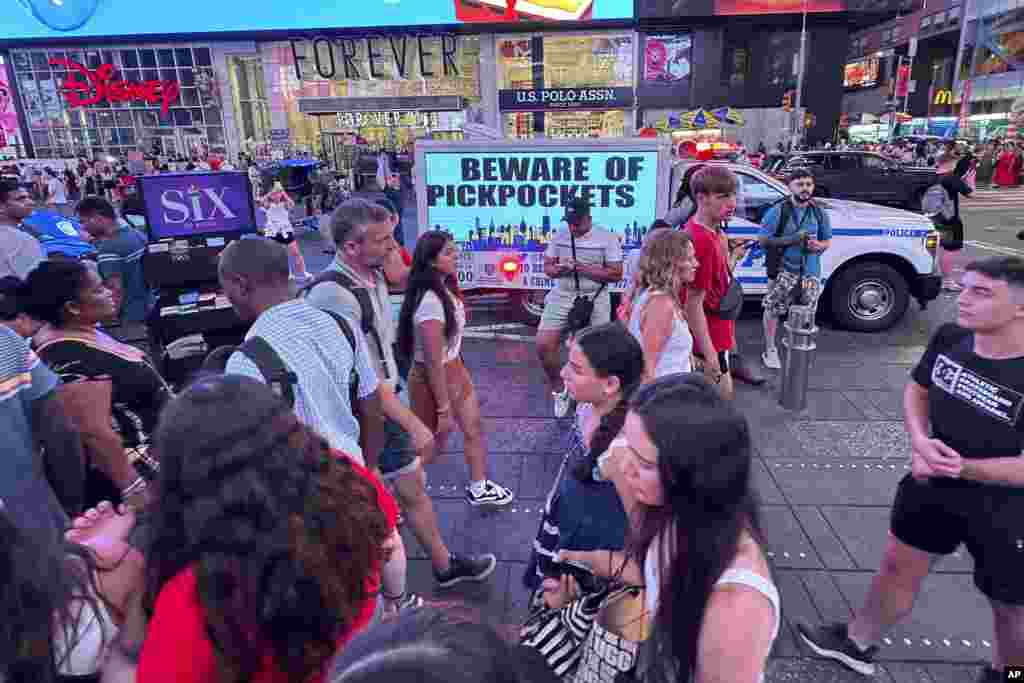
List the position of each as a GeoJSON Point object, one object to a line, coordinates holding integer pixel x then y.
{"type": "Point", "coordinates": [952, 229]}
{"type": "Point", "coordinates": [967, 473]}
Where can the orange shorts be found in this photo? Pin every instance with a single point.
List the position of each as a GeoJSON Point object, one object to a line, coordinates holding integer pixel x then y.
{"type": "Point", "coordinates": [421, 396]}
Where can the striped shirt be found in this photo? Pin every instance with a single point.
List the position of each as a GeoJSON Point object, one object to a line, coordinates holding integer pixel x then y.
{"type": "Point", "coordinates": [312, 346]}
{"type": "Point", "coordinates": [28, 498]}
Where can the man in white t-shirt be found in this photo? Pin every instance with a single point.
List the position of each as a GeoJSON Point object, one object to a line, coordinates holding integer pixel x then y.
{"type": "Point", "coordinates": [56, 191]}
{"type": "Point", "coordinates": [595, 266]}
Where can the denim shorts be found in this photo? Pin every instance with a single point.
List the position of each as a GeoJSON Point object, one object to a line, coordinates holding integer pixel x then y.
{"type": "Point", "coordinates": [397, 456]}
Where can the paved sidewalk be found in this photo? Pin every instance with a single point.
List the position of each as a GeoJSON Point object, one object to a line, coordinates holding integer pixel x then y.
{"type": "Point", "coordinates": [826, 479]}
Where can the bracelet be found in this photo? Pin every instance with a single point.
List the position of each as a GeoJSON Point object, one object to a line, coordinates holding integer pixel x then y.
{"type": "Point", "coordinates": [137, 486]}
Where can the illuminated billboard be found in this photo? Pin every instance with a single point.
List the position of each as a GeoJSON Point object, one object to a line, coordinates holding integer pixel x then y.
{"type": "Point", "coordinates": [861, 74]}
{"type": "Point", "coordinates": [46, 19]}
{"type": "Point", "coordinates": [673, 9]}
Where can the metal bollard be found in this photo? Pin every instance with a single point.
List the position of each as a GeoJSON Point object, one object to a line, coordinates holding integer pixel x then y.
{"type": "Point", "coordinates": [799, 344]}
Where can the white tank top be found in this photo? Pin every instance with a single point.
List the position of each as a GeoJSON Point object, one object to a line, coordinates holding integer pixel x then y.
{"type": "Point", "coordinates": [675, 355]}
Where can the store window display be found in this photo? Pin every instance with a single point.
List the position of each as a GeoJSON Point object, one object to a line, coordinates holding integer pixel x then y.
{"type": "Point", "coordinates": [66, 124]}
{"type": "Point", "coordinates": [402, 66]}
{"type": "Point", "coordinates": [574, 69]}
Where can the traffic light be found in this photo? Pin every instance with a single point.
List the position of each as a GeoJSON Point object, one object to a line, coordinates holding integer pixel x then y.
{"type": "Point", "coordinates": [787, 101]}
{"type": "Point", "coordinates": [809, 120]}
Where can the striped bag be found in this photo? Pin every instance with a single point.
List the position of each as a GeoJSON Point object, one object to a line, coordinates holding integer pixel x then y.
{"type": "Point", "coordinates": [557, 634]}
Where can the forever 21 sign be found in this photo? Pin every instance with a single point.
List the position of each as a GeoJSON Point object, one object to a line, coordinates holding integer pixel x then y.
{"type": "Point", "coordinates": [377, 57]}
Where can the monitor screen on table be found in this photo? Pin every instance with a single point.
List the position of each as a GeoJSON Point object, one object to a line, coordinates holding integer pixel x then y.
{"type": "Point", "coordinates": [192, 204]}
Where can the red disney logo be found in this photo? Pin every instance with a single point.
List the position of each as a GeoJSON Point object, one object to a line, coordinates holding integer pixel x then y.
{"type": "Point", "coordinates": [99, 84]}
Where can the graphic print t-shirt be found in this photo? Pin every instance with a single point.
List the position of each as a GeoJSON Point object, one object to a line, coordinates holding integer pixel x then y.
{"type": "Point", "coordinates": [976, 404]}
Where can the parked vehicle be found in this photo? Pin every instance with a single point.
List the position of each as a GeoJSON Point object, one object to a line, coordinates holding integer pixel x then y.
{"type": "Point", "coordinates": [502, 202]}
{"type": "Point", "coordinates": [865, 177]}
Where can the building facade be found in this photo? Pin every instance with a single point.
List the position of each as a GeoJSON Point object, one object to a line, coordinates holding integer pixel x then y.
{"type": "Point", "coordinates": [274, 89]}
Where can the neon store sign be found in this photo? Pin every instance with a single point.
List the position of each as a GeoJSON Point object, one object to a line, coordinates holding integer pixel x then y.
{"type": "Point", "coordinates": [84, 87]}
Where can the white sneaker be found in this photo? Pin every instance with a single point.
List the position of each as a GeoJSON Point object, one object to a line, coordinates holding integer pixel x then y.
{"type": "Point", "coordinates": [563, 402]}
{"type": "Point", "coordinates": [770, 358]}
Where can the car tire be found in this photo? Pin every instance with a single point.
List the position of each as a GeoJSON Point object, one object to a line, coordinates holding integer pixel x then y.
{"type": "Point", "coordinates": [528, 305]}
{"type": "Point", "coordinates": [868, 297]}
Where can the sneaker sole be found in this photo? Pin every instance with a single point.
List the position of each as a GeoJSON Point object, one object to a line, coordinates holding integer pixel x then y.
{"type": "Point", "coordinates": [846, 660]}
{"type": "Point", "coordinates": [771, 366]}
{"type": "Point", "coordinates": [477, 578]}
{"type": "Point", "coordinates": [489, 503]}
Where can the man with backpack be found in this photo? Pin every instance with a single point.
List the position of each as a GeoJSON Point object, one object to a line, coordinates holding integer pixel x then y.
{"type": "Point", "coordinates": [941, 203]}
{"type": "Point", "coordinates": [310, 357]}
{"type": "Point", "coordinates": [794, 234]}
{"type": "Point", "coordinates": [354, 285]}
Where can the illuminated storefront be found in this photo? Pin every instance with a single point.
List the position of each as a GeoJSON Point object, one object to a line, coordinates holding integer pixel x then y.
{"type": "Point", "coordinates": [566, 86]}
{"type": "Point", "coordinates": [385, 92]}
{"type": "Point", "coordinates": [94, 102]}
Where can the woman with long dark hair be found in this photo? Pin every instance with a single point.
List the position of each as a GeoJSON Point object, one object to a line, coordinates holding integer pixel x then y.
{"type": "Point", "coordinates": [583, 510]}
{"type": "Point", "coordinates": [441, 390]}
{"type": "Point", "coordinates": [266, 546]}
{"type": "Point", "coordinates": [110, 389]}
{"type": "Point", "coordinates": [695, 542]}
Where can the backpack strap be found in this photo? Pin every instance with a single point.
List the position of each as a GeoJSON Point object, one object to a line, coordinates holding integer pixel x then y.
{"type": "Point", "coordinates": [353, 375]}
{"type": "Point", "coordinates": [368, 319]}
{"type": "Point", "coordinates": [279, 378]}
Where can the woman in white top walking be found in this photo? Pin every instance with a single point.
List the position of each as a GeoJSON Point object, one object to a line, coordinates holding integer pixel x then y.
{"type": "Point", "coordinates": [695, 543]}
{"type": "Point", "coordinates": [278, 206]}
{"type": "Point", "coordinates": [441, 391]}
{"type": "Point", "coordinates": [667, 264]}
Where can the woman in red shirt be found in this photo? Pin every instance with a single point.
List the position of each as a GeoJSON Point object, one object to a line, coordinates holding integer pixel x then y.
{"type": "Point", "coordinates": [266, 545]}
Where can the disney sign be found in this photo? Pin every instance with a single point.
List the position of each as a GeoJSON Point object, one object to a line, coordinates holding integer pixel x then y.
{"type": "Point", "coordinates": [83, 87]}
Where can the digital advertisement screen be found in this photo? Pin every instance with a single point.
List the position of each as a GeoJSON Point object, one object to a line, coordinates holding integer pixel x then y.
{"type": "Point", "coordinates": [187, 204]}
{"type": "Point", "coordinates": [515, 200]}
{"type": "Point", "coordinates": [25, 19]}
{"type": "Point", "coordinates": [861, 74]}
{"type": "Point", "coordinates": [654, 9]}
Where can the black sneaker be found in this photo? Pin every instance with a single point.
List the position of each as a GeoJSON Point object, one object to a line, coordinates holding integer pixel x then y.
{"type": "Point", "coordinates": [492, 494]}
{"type": "Point", "coordinates": [475, 568]}
{"type": "Point", "coordinates": [990, 675]}
{"type": "Point", "coordinates": [833, 642]}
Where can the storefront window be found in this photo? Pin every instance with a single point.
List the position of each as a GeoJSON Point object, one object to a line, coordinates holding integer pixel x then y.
{"type": "Point", "coordinates": [413, 67]}
{"type": "Point", "coordinates": [192, 124]}
{"type": "Point", "coordinates": [555, 74]}
{"type": "Point", "coordinates": [249, 98]}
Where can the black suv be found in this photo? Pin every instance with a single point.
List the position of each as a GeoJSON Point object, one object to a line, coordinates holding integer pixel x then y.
{"type": "Point", "coordinates": [865, 177]}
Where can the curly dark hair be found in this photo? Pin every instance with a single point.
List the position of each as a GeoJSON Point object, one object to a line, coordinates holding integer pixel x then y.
{"type": "Point", "coordinates": [41, 580]}
{"type": "Point", "coordinates": [282, 533]}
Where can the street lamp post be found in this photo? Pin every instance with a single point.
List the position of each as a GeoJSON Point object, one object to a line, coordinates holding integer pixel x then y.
{"type": "Point", "coordinates": [800, 77]}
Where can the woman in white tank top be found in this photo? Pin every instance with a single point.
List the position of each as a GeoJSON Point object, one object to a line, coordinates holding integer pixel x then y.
{"type": "Point", "coordinates": [683, 460]}
{"type": "Point", "coordinates": [667, 264]}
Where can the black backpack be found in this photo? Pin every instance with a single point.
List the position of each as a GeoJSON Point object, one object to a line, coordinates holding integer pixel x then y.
{"type": "Point", "coordinates": [277, 374]}
{"type": "Point", "coordinates": [368, 321]}
{"type": "Point", "coordinates": [773, 255]}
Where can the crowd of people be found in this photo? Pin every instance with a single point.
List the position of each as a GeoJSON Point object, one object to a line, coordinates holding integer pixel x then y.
{"type": "Point", "coordinates": [244, 526]}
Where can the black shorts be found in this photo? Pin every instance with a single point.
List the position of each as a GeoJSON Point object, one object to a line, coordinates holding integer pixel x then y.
{"type": "Point", "coordinates": [952, 235]}
{"type": "Point", "coordinates": [937, 517]}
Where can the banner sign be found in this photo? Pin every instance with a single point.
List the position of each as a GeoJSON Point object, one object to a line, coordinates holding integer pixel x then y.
{"type": "Point", "coordinates": [83, 87]}
{"type": "Point", "coordinates": [187, 204]}
{"type": "Point", "coordinates": [565, 98]}
{"type": "Point", "coordinates": [513, 200]}
{"type": "Point", "coordinates": [61, 19]}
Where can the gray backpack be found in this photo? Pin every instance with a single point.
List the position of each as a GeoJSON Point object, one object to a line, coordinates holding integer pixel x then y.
{"type": "Point", "coordinates": [936, 203]}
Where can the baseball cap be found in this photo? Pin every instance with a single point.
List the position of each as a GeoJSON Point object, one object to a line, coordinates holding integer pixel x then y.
{"type": "Point", "coordinates": [576, 209]}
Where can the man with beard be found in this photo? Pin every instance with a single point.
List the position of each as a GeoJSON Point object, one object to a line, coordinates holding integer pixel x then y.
{"type": "Point", "coordinates": [796, 232]}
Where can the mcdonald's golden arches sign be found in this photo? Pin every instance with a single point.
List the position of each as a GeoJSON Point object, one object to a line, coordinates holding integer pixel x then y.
{"type": "Point", "coordinates": [943, 97]}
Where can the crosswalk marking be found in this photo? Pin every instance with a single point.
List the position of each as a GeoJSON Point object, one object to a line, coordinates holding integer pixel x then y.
{"type": "Point", "coordinates": [998, 248]}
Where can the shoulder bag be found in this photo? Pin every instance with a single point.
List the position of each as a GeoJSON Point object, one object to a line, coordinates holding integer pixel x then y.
{"type": "Point", "coordinates": [582, 306]}
{"type": "Point", "coordinates": [731, 304]}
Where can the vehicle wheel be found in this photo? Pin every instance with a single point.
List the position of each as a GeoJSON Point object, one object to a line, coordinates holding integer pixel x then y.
{"type": "Point", "coordinates": [869, 297]}
{"type": "Point", "coordinates": [528, 305]}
